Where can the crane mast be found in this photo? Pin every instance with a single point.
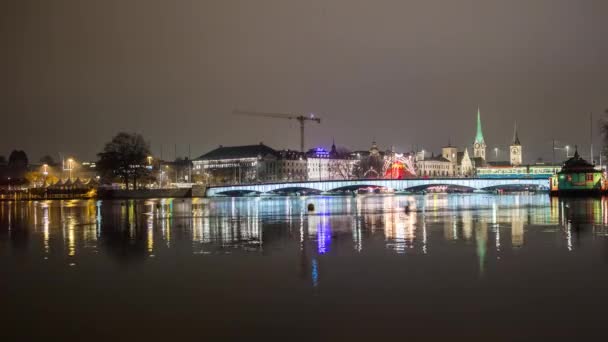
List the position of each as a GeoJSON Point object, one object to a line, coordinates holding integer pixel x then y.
{"type": "Point", "coordinates": [299, 117]}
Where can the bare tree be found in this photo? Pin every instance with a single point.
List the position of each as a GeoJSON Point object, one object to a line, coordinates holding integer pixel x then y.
{"type": "Point", "coordinates": [341, 169]}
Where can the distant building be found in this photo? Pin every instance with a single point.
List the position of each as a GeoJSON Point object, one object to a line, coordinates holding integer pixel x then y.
{"type": "Point", "coordinates": [465, 164]}
{"type": "Point", "coordinates": [237, 164]}
{"type": "Point", "coordinates": [436, 166]}
{"type": "Point", "coordinates": [328, 165]}
{"type": "Point", "coordinates": [292, 166]}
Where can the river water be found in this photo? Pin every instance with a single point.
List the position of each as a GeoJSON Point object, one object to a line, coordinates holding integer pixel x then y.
{"type": "Point", "coordinates": [463, 267]}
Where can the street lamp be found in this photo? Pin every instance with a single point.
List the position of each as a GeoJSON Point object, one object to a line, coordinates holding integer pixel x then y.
{"type": "Point", "coordinates": [45, 172]}
{"type": "Point", "coordinates": [567, 151]}
{"type": "Point", "coordinates": [149, 160]}
{"type": "Point", "coordinates": [70, 166]}
{"type": "Point", "coordinates": [496, 152]}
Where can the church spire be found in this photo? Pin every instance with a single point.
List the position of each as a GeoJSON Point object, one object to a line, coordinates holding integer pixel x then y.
{"type": "Point", "coordinates": [515, 136]}
{"type": "Point", "coordinates": [479, 135]}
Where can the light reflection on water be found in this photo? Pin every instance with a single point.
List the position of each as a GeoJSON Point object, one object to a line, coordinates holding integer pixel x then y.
{"type": "Point", "coordinates": [330, 247]}
{"type": "Point", "coordinates": [210, 225]}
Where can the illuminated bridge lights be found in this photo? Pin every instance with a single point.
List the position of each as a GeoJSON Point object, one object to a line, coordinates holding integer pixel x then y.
{"type": "Point", "coordinates": [410, 184]}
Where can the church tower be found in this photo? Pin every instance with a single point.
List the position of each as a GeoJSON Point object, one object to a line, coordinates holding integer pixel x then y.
{"type": "Point", "coordinates": [515, 149]}
{"type": "Point", "coordinates": [479, 146]}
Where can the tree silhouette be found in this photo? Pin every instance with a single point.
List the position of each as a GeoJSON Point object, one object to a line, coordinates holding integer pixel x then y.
{"type": "Point", "coordinates": [18, 160]}
{"type": "Point", "coordinates": [124, 157]}
{"type": "Point", "coordinates": [47, 159]}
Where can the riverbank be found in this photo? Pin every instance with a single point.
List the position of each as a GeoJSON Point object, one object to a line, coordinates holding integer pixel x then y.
{"type": "Point", "coordinates": [24, 195]}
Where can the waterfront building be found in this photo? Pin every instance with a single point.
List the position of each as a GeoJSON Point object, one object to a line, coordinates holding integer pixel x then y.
{"type": "Point", "coordinates": [327, 165]}
{"type": "Point", "coordinates": [435, 166]}
{"type": "Point", "coordinates": [237, 164]}
{"type": "Point", "coordinates": [292, 166]}
{"type": "Point", "coordinates": [578, 176]}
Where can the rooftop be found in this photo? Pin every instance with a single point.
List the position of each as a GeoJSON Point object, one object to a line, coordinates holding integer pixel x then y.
{"type": "Point", "coordinates": [577, 164]}
{"type": "Point", "coordinates": [239, 152]}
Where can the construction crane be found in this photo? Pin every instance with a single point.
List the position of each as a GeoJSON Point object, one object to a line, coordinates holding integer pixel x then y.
{"type": "Point", "coordinates": [299, 117]}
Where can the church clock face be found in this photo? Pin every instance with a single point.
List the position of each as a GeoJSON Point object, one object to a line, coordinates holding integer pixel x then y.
{"type": "Point", "coordinates": [514, 151]}
{"type": "Point", "coordinates": [476, 145]}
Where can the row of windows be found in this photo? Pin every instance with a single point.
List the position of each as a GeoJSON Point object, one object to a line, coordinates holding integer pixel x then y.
{"type": "Point", "coordinates": [436, 167]}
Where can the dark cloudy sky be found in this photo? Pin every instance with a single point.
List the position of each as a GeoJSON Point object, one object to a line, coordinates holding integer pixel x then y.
{"type": "Point", "coordinates": [74, 72]}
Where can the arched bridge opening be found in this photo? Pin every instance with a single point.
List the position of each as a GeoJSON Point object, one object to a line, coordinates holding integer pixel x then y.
{"type": "Point", "coordinates": [360, 189]}
{"type": "Point", "coordinates": [294, 191]}
{"type": "Point", "coordinates": [238, 193]}
{"type": "Point", "coordinates": [441, 188]}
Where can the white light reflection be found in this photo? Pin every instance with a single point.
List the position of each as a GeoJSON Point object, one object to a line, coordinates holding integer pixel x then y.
{"type": "Point", "coordinates": [569, 236]}
{"type": "Point", "coordinates": [45, 226]}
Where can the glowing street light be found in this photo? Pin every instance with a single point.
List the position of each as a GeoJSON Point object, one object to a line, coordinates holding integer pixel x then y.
{"type": "Point", "coordinates": [567, 151]}
{"type": "Point", "coordinates": [149, 160]}
{"type": "Point", "coordinates": [45, 169]}
{"type": "Point", "coordinates": [70, 166]}
{"type": "Point", "coordinates": [496, 152]}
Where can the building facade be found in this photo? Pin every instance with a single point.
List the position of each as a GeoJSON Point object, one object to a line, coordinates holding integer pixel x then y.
{"type": "Point", "coordinates": [329, 165]}
{"type": "Point", "coordinates": [578, 176]}
{"type": "Point", "coordinates": [435, 166]}
{"type": "Point", "coordinates": [237, 164]}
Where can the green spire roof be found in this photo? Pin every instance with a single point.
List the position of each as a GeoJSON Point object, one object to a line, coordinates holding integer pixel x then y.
{"type": "Point", "coordinates": [479, 135]}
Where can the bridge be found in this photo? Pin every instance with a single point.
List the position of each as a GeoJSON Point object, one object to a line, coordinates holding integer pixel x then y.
{"type": "Point", "coordinates": [411, 184]}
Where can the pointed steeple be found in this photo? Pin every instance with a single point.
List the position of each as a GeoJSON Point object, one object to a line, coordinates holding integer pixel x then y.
{"type": "Point", "coordinates": [479, 135]}
{"type": "Point", "coordinates": [515, 136]}
{"type": "Point", "coordinates": [333, 151]}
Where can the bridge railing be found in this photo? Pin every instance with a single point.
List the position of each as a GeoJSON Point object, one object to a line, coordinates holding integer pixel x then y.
{"type": "Point", "coordinates": [331, 180]}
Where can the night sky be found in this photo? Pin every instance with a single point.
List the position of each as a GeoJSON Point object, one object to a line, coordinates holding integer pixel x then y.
{"type": "Point", "coordinates": [406, 73]}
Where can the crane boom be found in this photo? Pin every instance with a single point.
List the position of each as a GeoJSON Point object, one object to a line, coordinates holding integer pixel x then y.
{"type": "Point", "coordinates": [290, 116]}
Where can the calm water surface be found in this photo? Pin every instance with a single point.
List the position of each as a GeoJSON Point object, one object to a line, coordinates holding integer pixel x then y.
{"type": "Point", "coordinates": [458, 267]}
